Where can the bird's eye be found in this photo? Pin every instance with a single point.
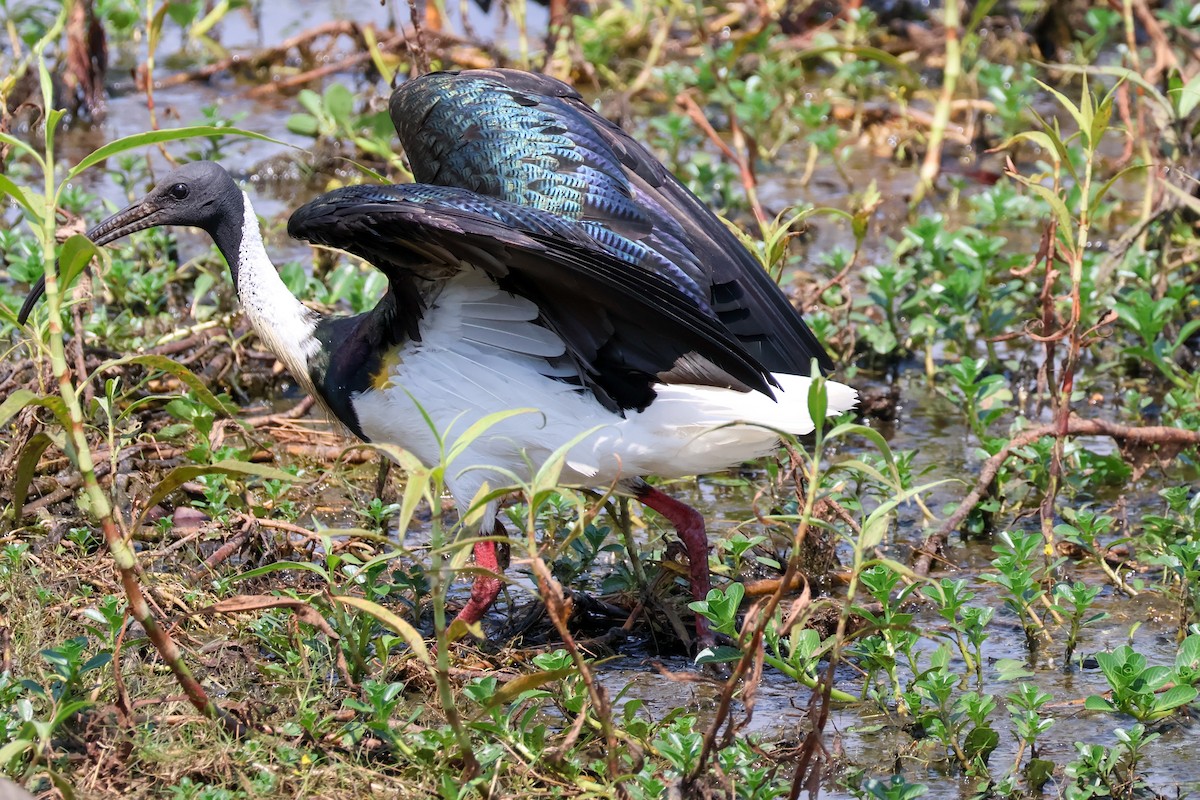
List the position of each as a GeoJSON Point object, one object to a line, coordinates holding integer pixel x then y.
{"type": "Point", "coordinates": [179, 191]}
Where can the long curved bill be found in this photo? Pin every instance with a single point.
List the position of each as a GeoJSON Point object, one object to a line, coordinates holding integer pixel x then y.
{"type": "Point", "coordinates": [137, 217]}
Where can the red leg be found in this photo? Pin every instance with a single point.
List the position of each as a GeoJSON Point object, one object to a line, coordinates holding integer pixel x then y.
{"type": "Point", "coordinates": [486, 587]}
{"type": "Point", "coordinates": [689, 524]}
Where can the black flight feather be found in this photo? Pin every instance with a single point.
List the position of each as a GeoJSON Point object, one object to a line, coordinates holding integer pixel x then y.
{"type": "Point", "coordinates": [626, 327]}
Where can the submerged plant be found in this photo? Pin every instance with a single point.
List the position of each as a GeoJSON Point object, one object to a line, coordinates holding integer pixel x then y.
{"type": "Point", "coordinates": [1018, 574]}
{"type": "Point", "coordinates": [1145, 692]}
{"type": "Point", "coordinates": [967, 623]}
{"type": "Point", "coordinates": [1102, 771]}
{"type": "Point", "coordinates": [1074, 602]}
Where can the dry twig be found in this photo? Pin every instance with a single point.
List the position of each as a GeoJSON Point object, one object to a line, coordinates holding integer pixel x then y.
{"type": "Point", "coordinates": [1133, 441]}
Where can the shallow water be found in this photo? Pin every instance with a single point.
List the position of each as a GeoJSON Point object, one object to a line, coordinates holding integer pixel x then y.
{"type": "Point", "coordinates": [873, 742]}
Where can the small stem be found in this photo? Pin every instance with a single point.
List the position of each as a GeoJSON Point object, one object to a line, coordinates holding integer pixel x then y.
{"type": "Point", "coordinates": [123, 555]}
{"type": "Point", "coordinates": [439, 583]}
{"type": "Point", "coordinates": [624, 522]}
{"type": "Point", "coordinates": [963, 762]}
{"type": "Point", "coordinates": [932, 164]}
{"type": "Point", "coordinates": [752, 644]}
{"type": "Point", "coordinates": [968, 662]}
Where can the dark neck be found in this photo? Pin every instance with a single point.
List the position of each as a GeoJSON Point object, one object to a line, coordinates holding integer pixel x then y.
{"type": "Point", "coordinates": [227, 234]}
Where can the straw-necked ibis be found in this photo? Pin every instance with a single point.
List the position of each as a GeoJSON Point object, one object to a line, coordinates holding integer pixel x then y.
{"type": "Point", "coordinates": [544, 259]}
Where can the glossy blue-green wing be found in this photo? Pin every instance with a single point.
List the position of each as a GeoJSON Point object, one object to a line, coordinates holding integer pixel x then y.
{"type": "Point", "coordinates": [531, 140]}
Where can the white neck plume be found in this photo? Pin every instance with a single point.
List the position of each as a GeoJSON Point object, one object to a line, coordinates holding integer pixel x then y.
{"type": "Point", "coordinates": [284, 324]}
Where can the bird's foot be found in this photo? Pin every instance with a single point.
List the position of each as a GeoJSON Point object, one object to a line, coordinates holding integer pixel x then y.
{"type": "Point", "coordinates": [689, 525]}
{"type": "Point", "coordinates": [487, 587]}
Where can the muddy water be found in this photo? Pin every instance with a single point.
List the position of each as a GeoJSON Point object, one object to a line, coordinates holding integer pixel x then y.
{"type": "Point", "coordinates": [927, 424]}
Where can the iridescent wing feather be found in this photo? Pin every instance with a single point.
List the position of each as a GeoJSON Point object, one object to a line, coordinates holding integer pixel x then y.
{"type": "Point", "coordinates": [532, 140]}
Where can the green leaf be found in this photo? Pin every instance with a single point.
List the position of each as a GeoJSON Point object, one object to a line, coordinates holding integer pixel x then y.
{"type": "Point", "coordinates": [818, 401]}
{"type": "Point", "coordinates": [546, 479]}
{"type": "Point", "coordinates": [1060, 144]}
{"type": "Point", "coordinates": [73, 256]}
{"type": "Point", "coordinates": [980, 743]}
{"type": "Point", "coordinates": [1100, 121]}
{"type": "Point", "coordinates": [1185, 333]}
{"type": "Point", "coordinates": [873, 436]}
{"type": "Point", "coordinates": [310, 101]}
{"type": "Point", "coordinates": [283, 566]}
{"type": "Point", "coordinates": [479, 427]}
{"type": "Point", "coordinates": [339, 103]}
{"type": "Point", "coordinates": [460, 628]}
{"type": "Point", "coordinates": [13, 750]}
{"type": "Point", "coordinates": [718, 654]}
{"type": "Point", "coordinates": [1110, 665]}
{"type": "Point", "coordinates": [58, 408]}
{"type": "Point", "coordinates": [1176, 696]}
{"type": "Point", "coordinates": [27, 468]}
{"type": "Point", "coordinates": [303, 124]}
{"type": "Point", "coordinates": [1188, 97]}
{"type": "Point", "coordinates": [1109, 183]}
{"type": "Point", "coordinates": [14, 142]}
{"type": "Point", "coordinates": [1095, 702]}
{"type": "Point", "coordinates": [416, 484]}
{"type": "Point", "coordinates": [10, 188]}
{"type": "Point", "coordinates": [862, 52]}
{"type": "Point", "coordinates": [181, 475]}
{"type": "Point", "coordinates": [185, 376]}
{"type": "Point", "coordinates": [391, 620]}
{"type": "Point", "coordinates": [1037, 772]}
{"type": "Point", "coordinates": [518, 686]}
{"type": "Point", "coordinates": [1065, 228]}
{"type": "Point", "coordinates": [182, 12]}
{"type": "Point", "coordinates": [381, 66]}
{"type": "Point", "coordinates": [1180, 195]}
{"type": "Point", "coordinates": [1039, 139]}
{"type": "Point", "coordinates": [461, 547]}
{"type": "Point", "coordinates": [1011, 669]}
{"type": "Point", "coordinates": [859, 467]}
{"type": "Point", "coordinates": [21, 398]}
{"type": "Point", "coordinates": [1070, 107]}
{"type": "Point", "coordinates": [204, 25]}
{"type": "Point", "coordinates": [137, 140]}
{"type": "Point", "coordinates": [154, 29]}
{"type": "Point", "coordinates": [979, 13]}
{"type": "Point", "coordinates": [1087, 113]}
{"type": "Point", "coordinates": [877, 522]}
{"type": "Point", "coordinates": [1189, 650]}
{"type": "Point", "coordinates": [874, 529]}
{"type": "Point", "coordinates": [365, 171]}
{"type": "Point", "coordinates": [15, 402]}
{"type": "Point", "coordinates": [1121, 73]}
{"type": "Point", "coordinates": [904, 570]}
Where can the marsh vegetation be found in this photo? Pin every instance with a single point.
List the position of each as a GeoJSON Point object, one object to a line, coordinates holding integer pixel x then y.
{"type": "Point", "coordinates": [984, 583]}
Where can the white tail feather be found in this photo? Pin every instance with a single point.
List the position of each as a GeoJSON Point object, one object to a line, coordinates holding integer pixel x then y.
{"type": "Point", "coordinates": [709, 406]}
{"type": "Point", "coordinates": [691, 430]}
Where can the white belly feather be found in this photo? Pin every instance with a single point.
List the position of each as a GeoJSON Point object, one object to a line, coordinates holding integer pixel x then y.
{"type": "Point", "coordinates": [481, 352]}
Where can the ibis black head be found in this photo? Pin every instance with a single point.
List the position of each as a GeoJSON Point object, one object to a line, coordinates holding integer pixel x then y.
{"type": "Point", "coordinates": [200, 194]}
